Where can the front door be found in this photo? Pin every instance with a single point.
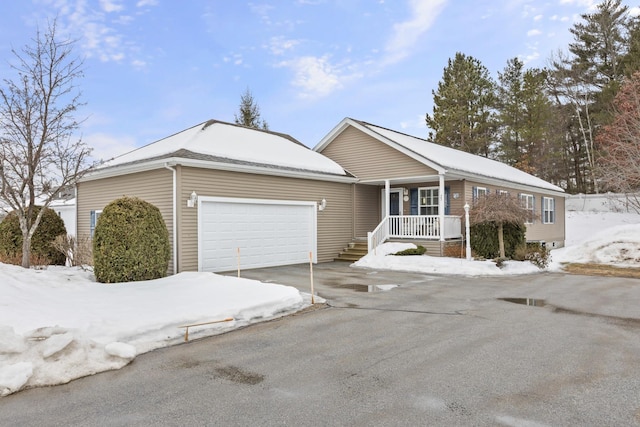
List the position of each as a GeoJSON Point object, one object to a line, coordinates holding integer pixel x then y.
{"type": "Point", "coordinates": [395, 202]}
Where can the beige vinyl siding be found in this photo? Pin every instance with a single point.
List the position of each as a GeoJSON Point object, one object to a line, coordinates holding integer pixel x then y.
{"type": "Point", "coordinates": [537, 231]}
{"type": "Point", "coordinates": [335, 225]}
{"type": "Point", "coordinates": [153, 186]}
{"type": "Point", "coordinates": [547, 232]}
{"type": "Point", "coordinates": [368, 158]}
{"type": "Point", "coordinates": [367, 209]}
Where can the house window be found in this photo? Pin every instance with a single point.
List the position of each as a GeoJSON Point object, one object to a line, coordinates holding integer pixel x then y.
{"type": "Point", "coordinates": [502, 192]}
{"type": "Point", "coordinates": [428, 201]}
{"type": "Point", "coordinates": [548, 210]}
{"type": "Point", "coordinates": [479, 192]}
{"type": "Point", "coordinates": [527, 201]}
{"type": "Point", "coordinates": [93, 221]}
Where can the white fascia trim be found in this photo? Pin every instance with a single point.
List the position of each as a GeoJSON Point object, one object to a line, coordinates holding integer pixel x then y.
{"type": "Point", "coordinates": [502, 183]}
{"type": "Point", "coordinates": [349, 122]}
{"type": "Point", "coordinates": [205, 164]}
{"type": "Point", "coordinates": [401, 180]}
{"type": "Point", "coordinates": [337, 130]}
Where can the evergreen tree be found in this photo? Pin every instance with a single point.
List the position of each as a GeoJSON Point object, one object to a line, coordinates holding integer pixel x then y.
{"type": "Point", "coordinates": [463, 114]}
{"type": "Point", "coordinates": [511, 112]}
{"type": "Point", "coordinates": [587, 81]}
{"type": "Point", "coordinates": [524, 117]}
{"type": "Point", "coordinates": [249, 114]}
{"type": "Point", "coordinates": [631, 59]}
{"type": "Point", "coordinates": [600, 41]}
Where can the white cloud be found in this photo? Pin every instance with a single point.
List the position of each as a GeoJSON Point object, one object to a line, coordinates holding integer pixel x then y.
{"type": "Point", "coordinates": [98, 29]}
{"type": "Point", "coordinates": [279, 45]}
{"type": "Point", "coordinates": [138, 64]}
{"type": "Point", "coordinates": [534, 32]}
{"type": "Point", "coordinates": [107, 146]}
{"type": "Point", "coordinates": [111, 6]}
{"type": "Point", "coordinates": [262, 10]}
{"type": "Point", "coordinates": [143, 3]}
{"type": "Point", "coordinates": [533, 56]}
{"type": "Point", "coordinates": [406, 34]}
{"type": "Point", "coordinates": [416, 123]}
{"type": "Point", "coordinates": [587, 4]}
{"type": "Point", "coordinates": [634, 11]}
{"type": "Point", "coordinates": [235, 59]}
{"type": "Point", "coordinates": [315, 76]}
{"type": "Point", "coordinates": [538, 17]}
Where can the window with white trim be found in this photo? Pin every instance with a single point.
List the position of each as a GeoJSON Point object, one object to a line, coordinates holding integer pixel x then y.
{"type": "Point", "coordinates": [503, 192]}
{"type": "Point", "coordinates": [527, 201]}
{"type": "Point", "coordinates": [93, 221]}
{"type": "Point", "coordinates": [548, 210]}
{"type": "Point", "coordinates": [428, 201]}
{"type": "Point", "coordinates": [479, 192]}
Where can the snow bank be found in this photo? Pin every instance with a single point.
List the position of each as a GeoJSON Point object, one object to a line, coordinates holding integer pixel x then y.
{"type": "Point", "coordinates": [61, 325]}
{"type": "Point", "coordinates": [383, 258]}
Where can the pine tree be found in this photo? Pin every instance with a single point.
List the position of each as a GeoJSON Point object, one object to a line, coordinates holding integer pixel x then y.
{"type": "Point", "coordinates": [463, 114]}
{"type": "Point", "coordinates": [511, 112]}
{"type": "Point", "coordinates": [524, 114]}
{"type": "Point", "coordinates": [587, 82]}
{"type": "Point", "coordinates": [249, 114]}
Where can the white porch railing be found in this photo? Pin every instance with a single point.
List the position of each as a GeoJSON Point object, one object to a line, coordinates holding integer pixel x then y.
{"type": "Point", "coordinates": [414, 227]}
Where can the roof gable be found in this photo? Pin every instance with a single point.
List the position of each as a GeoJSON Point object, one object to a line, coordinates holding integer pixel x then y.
{"type": "Point", "coordinates": [441, 158]}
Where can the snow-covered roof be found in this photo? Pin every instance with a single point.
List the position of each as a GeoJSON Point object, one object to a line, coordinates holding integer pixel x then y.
{"type": "Point", "coordinates": [228, 143]}
{"type": "Point", "coordinates": [444, 158]}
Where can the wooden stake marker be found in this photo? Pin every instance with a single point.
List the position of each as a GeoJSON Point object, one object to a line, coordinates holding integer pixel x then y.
{"type": "Point", "coordinates": [238, 262]}
{"type": "Point", "coordinates": [186, 332]}
{"type": "Point", "coordinates": [311, 275]}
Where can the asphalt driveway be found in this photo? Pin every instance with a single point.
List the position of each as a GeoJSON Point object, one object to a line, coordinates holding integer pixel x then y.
{"type": "Point", "coordinates": [433, 350]}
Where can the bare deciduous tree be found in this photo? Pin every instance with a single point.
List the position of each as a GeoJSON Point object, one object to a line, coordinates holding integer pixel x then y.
{"type": "Point", "coordinates": [619, 166]}
{"type": "Point", "coordinates": [500, 209]}
{"type": "Point", "coordinates": [39, 154]}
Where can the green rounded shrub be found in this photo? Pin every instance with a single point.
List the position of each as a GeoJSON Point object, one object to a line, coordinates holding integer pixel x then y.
{"type": "Point", "coordinates": [42, 249]}
{"type": "Point", "coordinates": [418, 250]}
{"type": "Point", "coordinates": [484, 239]}
{"type": "Point", "coordinates": [131, 242]}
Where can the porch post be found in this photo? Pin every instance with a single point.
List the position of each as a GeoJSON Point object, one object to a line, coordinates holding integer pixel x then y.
{"type": "Point", "coordinates": [387, 203]}
{"type": "Point", "coordinates": [441, 205]}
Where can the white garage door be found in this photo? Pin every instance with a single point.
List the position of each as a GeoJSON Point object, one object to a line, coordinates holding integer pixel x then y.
{"type": "Point", "coordinates": [266, 232]}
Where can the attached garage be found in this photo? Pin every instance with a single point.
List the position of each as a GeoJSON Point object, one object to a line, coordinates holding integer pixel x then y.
{"type": "Point", "coordinates": [254, 232]}
{"type": "Point", "coordinates": [258, 193]}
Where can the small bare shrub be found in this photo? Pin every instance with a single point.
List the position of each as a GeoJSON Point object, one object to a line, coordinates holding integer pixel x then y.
{"type": "Point", "coordinates": [454, 250]}
{"type": "Point", "coordinates": [77, 250]}
{"type": "Point", "coordinates": [533, 252]}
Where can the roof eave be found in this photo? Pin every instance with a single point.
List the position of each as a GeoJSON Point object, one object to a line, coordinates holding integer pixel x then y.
{"type": "Point", "coordinates": [504, 183]}
{"type": "Point", "coordinates": [204, 164]}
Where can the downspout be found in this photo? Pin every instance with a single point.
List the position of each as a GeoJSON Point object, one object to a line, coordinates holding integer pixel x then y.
{"type": "Point", "coordinates": [174, 219]}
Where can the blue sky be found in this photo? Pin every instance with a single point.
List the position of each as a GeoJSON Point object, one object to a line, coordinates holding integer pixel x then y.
{"type": "Point", "coordinates": [156, 67]}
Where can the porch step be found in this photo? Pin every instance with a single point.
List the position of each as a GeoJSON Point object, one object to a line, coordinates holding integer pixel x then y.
{"type": "Point", "coordinates": [353, 252]}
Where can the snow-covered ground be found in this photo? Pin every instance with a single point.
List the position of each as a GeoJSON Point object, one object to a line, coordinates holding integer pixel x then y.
{"type": "Point", "coordinates": [58, 324]}
{"type": "Point", "coordinates": [603, 237]}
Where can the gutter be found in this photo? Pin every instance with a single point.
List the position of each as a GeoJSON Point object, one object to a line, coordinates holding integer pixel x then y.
{"type": "Point", "coordinates": [117, 170]}
{"type": "Point", "coordinates": [174, 218]}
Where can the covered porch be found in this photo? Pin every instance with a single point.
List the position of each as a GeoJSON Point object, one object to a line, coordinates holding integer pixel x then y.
{"type": "Point", "coordinates": [429, 215]}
